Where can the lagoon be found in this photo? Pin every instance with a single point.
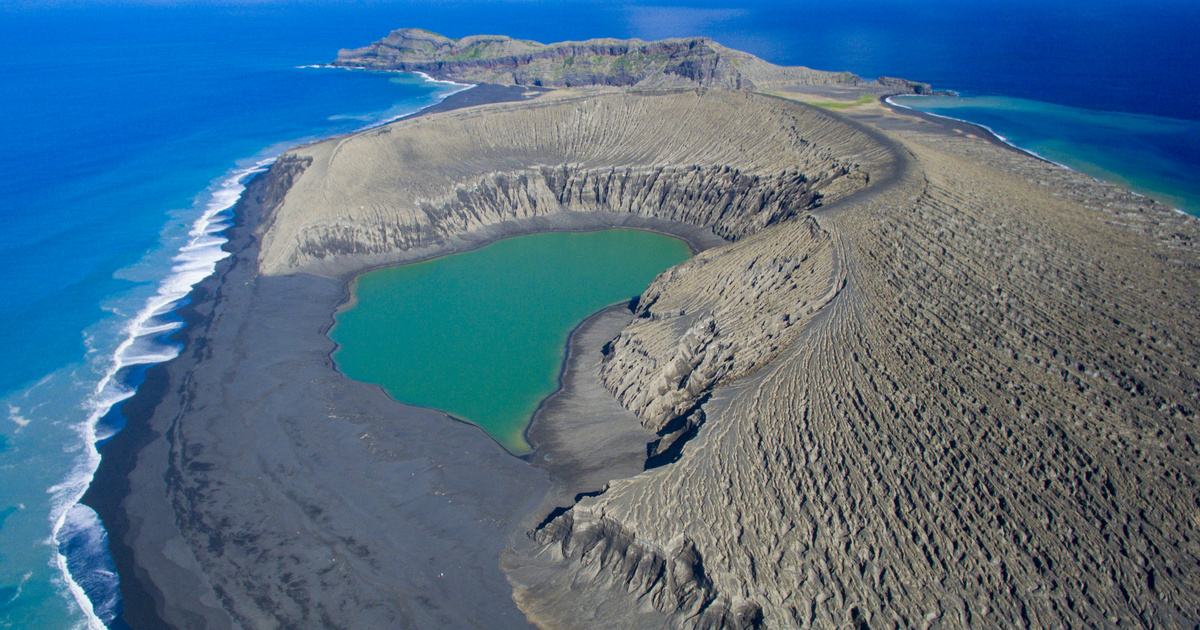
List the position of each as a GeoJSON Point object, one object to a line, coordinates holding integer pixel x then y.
{"type": "Point", "coordinates": [481, 335]}
{"type": "Point", "coordinates": [1155, 156]}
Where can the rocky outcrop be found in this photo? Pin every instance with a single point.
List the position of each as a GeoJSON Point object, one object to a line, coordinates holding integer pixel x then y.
{"type": "Point", "coordinates": [736, 308]}
{"type": "Point", "coordinates": [277, 183]}
{"type": "Point", "coordinates": [682, 62]}
{"type": "Point", "coordinates": [904, 86]}
{"type": "Point", "coordinates": [670, 580]}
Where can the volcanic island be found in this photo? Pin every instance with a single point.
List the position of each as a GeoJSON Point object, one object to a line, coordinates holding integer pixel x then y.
{"type": "Point", "coordinates": [912, 377]}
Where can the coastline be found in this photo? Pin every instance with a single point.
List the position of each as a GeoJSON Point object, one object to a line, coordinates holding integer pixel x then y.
{"type": "Point", "coordinates": [110, 484]}
{"type": "Point", "coordinates": [994, 137]}
{"type": "Point", "coordinates": [142, 603]}
{"type": "Point", "coordinates": [236, 298]}
{"type": "Point", "coordinates": [203, 249]}
{"type": "Point", "coordinates": [1168, 198]}
{"type": "Point", "coordinates": [964, 126]}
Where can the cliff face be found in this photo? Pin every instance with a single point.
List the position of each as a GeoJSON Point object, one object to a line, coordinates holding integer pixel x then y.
{"type": "Point", "coordinates": [736, 309]}
{"type": "Point", "coordinates": [685, 62]}
{"type": "Point", "coordinates": [676, 155]}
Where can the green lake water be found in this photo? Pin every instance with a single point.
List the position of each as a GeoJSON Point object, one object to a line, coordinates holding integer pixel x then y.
{"type": "Point", "coordinates": [482, 335]}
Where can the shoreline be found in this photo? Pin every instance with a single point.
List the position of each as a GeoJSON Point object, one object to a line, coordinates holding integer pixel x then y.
{"type": "Point", "coordinates": [695, 242]}
{"type": "Point", "coordinates": [112, 392]}
{"type": "Point", "coordinates": [617, 449]}
{"type": "Point", "coordinates": [110, 485]}
{"type": "Point", "coordinates": [168, 463]}
{"type": "Point", "coordinates": [997, 138]}
{"type": "Point", "coordinates": [983, 131]}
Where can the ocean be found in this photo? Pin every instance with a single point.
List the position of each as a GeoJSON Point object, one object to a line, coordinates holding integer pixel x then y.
{"type": "Point", "coordinates": [130, 127]}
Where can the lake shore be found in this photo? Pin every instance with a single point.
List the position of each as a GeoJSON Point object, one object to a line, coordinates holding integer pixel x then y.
{"type": "Point", "coordinates": [246, 336]}
{"type": "Point", "coordinates": [139, 507]}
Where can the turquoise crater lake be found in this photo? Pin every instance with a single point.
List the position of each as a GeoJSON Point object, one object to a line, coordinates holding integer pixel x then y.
{"type": "Point", "coordinates": [481, 335]}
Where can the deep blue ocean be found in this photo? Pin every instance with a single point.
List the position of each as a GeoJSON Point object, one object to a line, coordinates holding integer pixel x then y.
{"type": "Point", "coordinates": [128, 127]}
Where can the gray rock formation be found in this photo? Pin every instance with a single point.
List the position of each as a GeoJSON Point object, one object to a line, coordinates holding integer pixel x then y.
{"type": "Point", "coordinates": [682, 62]}
{"type": "Point", "coordinates": [604, 152]}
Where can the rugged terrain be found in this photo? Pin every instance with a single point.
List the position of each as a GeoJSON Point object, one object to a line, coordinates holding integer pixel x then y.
{"type": "Point", "coordinates": [682, 62]}
{"type": "Point", "coordinates": [930, 381]}
{"type": "Point", "coordinates": [993, 424]}
{"type": "Point", "coordinates": [913, 378]}
{"type": "Point", "coordinates": [594, 152]}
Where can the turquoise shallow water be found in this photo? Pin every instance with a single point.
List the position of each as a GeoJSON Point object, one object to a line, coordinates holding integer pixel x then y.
{"type": "Point", "coordinates": [482, 335]}
{"type": "Point", "coordinates": [1156, 156]}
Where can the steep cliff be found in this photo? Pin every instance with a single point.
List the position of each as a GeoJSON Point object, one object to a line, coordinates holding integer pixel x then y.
{"type": "Point", "coordinates": [682, 62]}
{"type": "Point", "coordinates": [617, 153]}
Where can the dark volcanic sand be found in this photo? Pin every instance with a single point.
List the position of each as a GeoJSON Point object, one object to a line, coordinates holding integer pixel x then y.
{"type": "Point", "coordinates": [317, 500]}
{"type": "Point", "coordinates": [252, 442]}
{"type": "Point", "coordinates": [950, 125]}
{"type": "Point", "coordinates": [482, 94]}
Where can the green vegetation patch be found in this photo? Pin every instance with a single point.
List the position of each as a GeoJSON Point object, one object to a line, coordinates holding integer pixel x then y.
{"type": "Point", "coordinates": [862, 100]}
{"type": "Point", "coordinates": [471, 53]}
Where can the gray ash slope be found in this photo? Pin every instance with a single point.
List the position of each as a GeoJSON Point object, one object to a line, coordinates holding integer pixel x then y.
{"type": "Point", "coordinates": [928, 382]}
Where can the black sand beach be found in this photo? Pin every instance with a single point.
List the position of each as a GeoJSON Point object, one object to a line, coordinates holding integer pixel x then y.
{"type": "Point", "coordinates": [435, 504]}
{"type": "Point", "coordinates": [948, 125]}
{"type": "Point", "coordinates": [254, 399]}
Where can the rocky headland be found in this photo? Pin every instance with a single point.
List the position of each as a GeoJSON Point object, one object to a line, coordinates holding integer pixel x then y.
{"type": "Point", "coordinates": [912, 377]}
{"type": "Point", "coordinates": [680, 62]}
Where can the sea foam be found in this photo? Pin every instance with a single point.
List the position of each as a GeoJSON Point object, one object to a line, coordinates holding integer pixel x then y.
{"type": "Point", "coordinates": [77, 530]}
{"type": "Point", "coordinates": [89, 577]}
